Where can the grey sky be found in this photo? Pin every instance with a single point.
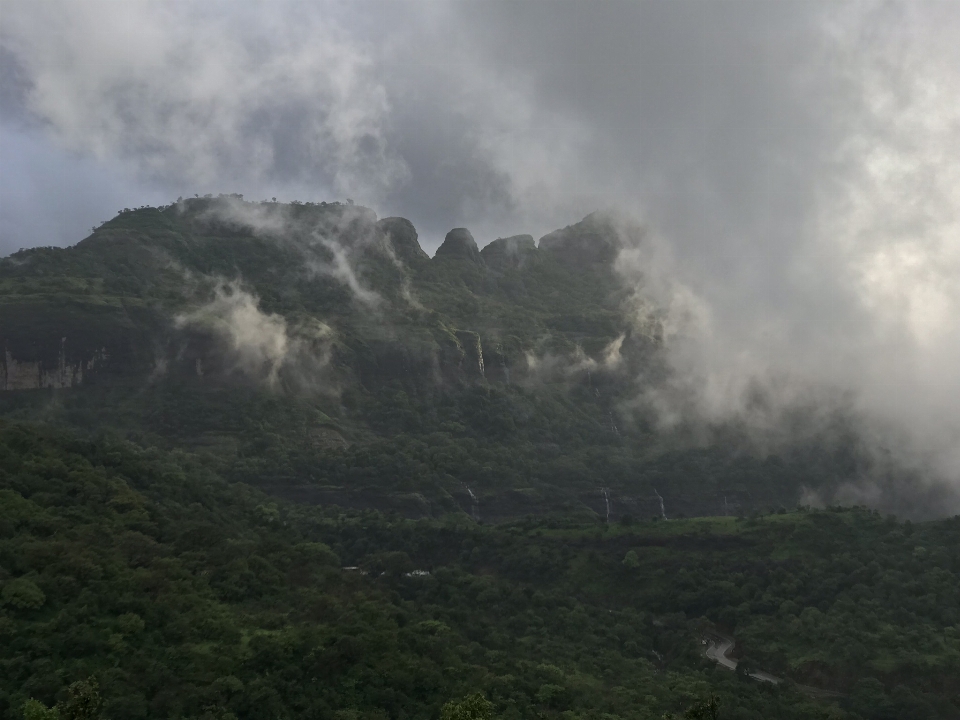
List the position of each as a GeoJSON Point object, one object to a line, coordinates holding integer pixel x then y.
{"type": "Point", "coordinates": [702, 114]}
{"type": "Point", "coordinates": [499, 114]}
{"type": "Point", "coordinates": [796, 161]}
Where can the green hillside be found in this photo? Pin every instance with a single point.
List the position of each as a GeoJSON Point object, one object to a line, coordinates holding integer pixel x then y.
{"type": "Point", "coordinates": [166, 591]}
{"type": "Point", "coordinates": [263, 460]}
{"type": "Point", "coordinates": [318, 353]}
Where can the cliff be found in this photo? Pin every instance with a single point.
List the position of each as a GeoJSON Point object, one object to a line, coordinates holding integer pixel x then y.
{"type": "Point", "coordinates": [145, 293]}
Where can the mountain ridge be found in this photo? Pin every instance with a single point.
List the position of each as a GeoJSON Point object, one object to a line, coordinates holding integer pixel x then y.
{"type": "Point", "coordinates": [514, 374]}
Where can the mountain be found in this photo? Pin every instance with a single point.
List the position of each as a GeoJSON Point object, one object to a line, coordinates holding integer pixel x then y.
{"type": "Point", "coordinates": [274, 460]}
{"type": "Point", "coordinates": [318, 352]}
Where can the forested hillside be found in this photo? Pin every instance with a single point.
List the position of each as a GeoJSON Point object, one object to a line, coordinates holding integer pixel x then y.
{"type": "Point", "coordinates": [264, 460]}
{"type": "Point", "coordinates": [175, 593]}
{"type": "Point", "coordinates": [319, 353]}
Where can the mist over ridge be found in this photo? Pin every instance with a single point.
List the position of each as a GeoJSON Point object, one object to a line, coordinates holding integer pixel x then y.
{"type": "Point", "coordinates": [518, 360]}
{"type": "Point", "coordinates": [324, 300]}
{"type": "Point", "coordinates": [789, 164]}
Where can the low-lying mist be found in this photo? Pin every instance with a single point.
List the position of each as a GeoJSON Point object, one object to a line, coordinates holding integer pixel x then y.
{"type": "Point", "coordinates": [262, 345]}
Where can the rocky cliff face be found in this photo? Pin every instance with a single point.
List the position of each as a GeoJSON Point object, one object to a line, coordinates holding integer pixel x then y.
{"type": "Point", "coordinates": [593, 241]}
{"type": "Point", "coordinates": [459, 244]}
{"type": "Point", "coordinates": [472, 352]}
{"type": "Point", "coordinates": [510, 252]}
{"type": "Point", "coordinates": [403, 239]}
{"type": "Point", "coordinates": [332, 278]}
{"type": "Point", "coordinates": [37, 373]}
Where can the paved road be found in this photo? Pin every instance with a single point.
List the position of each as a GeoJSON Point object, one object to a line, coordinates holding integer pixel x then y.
{"type": "Point", "coordinates": [718, 650]}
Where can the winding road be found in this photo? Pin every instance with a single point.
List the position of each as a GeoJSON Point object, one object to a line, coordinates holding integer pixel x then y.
{"type": "Point", "coordinates": [718, 649]}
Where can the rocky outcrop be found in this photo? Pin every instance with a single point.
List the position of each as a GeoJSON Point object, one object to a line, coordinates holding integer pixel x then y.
{"type": "Point", "coordinates": [510, 252]}
{"type": "Point", "coordinates": [402, 237]}
{"type": "Point", "coordinates": [472, 352]}
{"type": "Point", "coordinates": [33, 374]}
{"type": "Point", "coordinates": [593, 241]}
{"type": "Point", "coordinates": [459, 354]}
{"type": "Point", "coordinates": [326, 437]}
{"type": "Point", "coordinates": [459, 245]}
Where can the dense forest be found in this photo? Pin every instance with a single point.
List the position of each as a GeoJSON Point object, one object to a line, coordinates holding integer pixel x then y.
{"type": "Point", "coordinates": [180, 594]}
{"type": "Point", "coordinates": [263, 460]}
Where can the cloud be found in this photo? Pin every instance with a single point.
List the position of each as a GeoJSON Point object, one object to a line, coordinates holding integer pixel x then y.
{"type": "Point", "coordinates": [258, 340]}
{"type": "Point", "coordinates": [203, 92]}
{"type": "Point", "coordinates": [793, 162]}
{"type": "Point", "coordinates": [572, 363]}
{"type": "Point", "coordinates": [342, 269]}
{"type": "Point", "coordinates": [316, 235]}
{"type": "Point", "coordinates": [857, 344]}
{"type": "Point", "coordinates": [262, 345]}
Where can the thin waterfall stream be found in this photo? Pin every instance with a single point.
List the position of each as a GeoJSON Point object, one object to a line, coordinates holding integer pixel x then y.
{"type": "Point", "coordinates": [663, 513]}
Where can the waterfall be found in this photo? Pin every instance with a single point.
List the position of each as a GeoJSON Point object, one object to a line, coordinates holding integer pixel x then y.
{"type": "Point", "coordinates": [475, 504]}
{"type": "Point", "coordinates": [606, 498]}
{"type": "Point", "coordinates": [614, 425]}
{"type": "Point", "coordinates": [659, 659]}
{"type": "Point", "coordinates": [663, 513]}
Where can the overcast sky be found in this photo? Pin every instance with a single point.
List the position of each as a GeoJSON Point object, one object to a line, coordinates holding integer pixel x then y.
{"type": "Point", "coordinates": [797, 162]}
{"type": "Point", "coordinates": [709, 117]}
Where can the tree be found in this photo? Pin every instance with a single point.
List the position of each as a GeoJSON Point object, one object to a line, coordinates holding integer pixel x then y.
{"type": "Point", "coordinates": [22, 594]}
{"type": "Point", "coordinates": [83, 701]}
{"type": "Point", "coordinates": [36, 710]}
{"type": "Point", "coordinates": [472, 707]}
{"type": "Point", "coordinates": [631, 560]}
{"type": "Point", "coordinates": [708, 709]}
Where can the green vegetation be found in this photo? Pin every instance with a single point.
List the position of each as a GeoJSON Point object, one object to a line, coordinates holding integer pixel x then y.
{"type": "Point", "coordinates": [702, 710]}
{"type": "Point", "coordinates": [184, 595]}
{"type": "Point", "coordinates": [273, 461]}
{"type": "Point", "coordinates": [376, 397]}
{"type": "Point", "coordinates": [82, 702]}
{"type": "Point", "coordinates": [474, 707]}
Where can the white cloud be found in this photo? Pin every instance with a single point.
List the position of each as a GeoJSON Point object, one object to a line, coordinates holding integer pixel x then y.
{"type": "Point", "coordinates": [794, 160]}
{"type": "Point", "coordinates": [260, 344]}
{"type": "Point", "coordinates": [203, 92]}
